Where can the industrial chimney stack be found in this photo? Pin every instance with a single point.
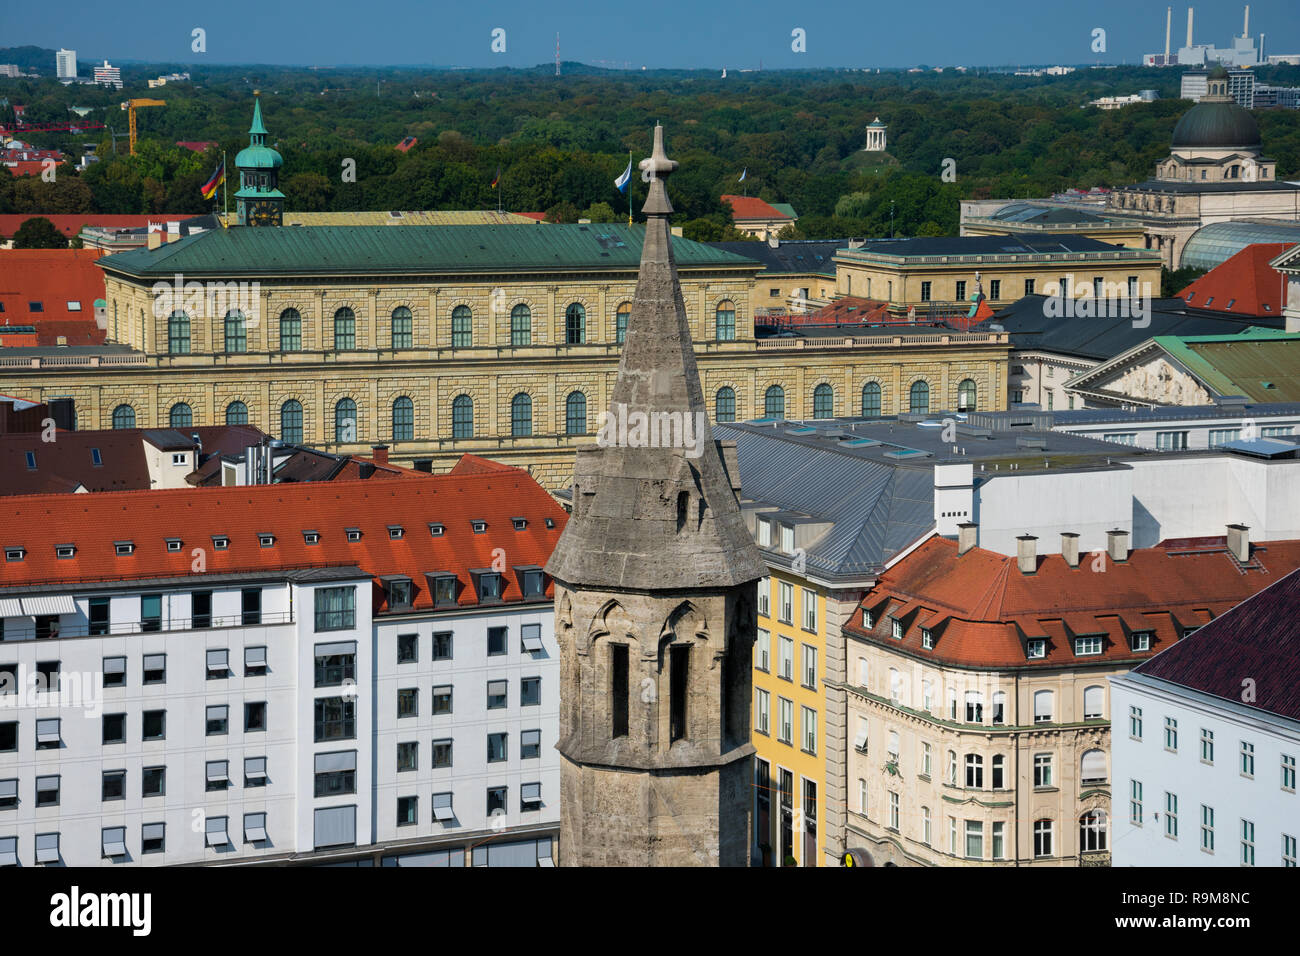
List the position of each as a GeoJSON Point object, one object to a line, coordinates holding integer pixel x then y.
{"type": "Point", "coordinates": [1169, 25]}
{"type": "Point", "coordinates": [1189, 27]}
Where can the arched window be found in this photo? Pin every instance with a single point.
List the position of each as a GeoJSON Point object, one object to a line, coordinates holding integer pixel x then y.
{"type": "Point", "coordinates": [966, 395]}
{"type": "Point", "coordinates": [290, 331]}
{"type": "Point", "coordinates": [575, 414]}
{"type": "Point", "coordinates": [919, 397]}
{"type": "Point", "coordinates": [575, 324]}
{"type": "Point", "coordinates": [521, 416]}
{"type": "Point", "coordinates": [620, 322]}
{"type": "Point", "coordinates": [724, 321]}
{"type": "Point", "coordinates": [403, 419]}
{"type": "Point", "coordinates": [871, 400]}
{"type": "Point", "coordinates": [178, 333]}
{"type": "Point", "coordinates": [1043, 701]}
{"type": "Point", "coordinates": [236, 332]}
{"type": "Point", "coordinates": [1092, 831]}
{"type": "Point", "coordinates": [620, 687]}
{"type": "Point", "coordinates": [236, 413]}
{"type": "Point", "coordinates": [724, 405]}
{"type": "Point", "coordinates": [462, 329]}
{"type": "Point", "coordinates": [180, 416]}
{"type": "Point", "coordinates": [1094, 702]}
{"type": "Point", "coordinates": [345, 420]}
{"type": "Point", "coordinates": [974, 772]}
{"type": "Point", "coordinates": [462, 417]}
{"type": "Point", "coordinates": [291, 422]}
{"type": "Point", "coordinates": [124, 417]}
{"type": "Point", "coordinates": [403, 331]}
{"type": "Point", "coordinates": [345, 329]}
{"type": "Point", "coordinates": [774, 402]}
{"type": "Point", "coordinates": [1092, 767]}
{"type": "Point", "coordinates": [823, 401]}
{"type": "Point", "coordinates": [521, 325]}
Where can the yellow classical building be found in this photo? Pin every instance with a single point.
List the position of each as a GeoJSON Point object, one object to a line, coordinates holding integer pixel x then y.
{"type": "Point", "coordinates": [441, 340]}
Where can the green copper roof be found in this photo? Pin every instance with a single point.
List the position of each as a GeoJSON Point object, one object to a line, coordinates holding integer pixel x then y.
{"type": "Point", "coordinates": [409, 250]}
{"type": "Point", "coordinates": [1216, 126]}
{"type": "Point", "coordinates": [258, 157]}
{"type": "Point", "coordinates": [1261, 364]}
{"type": "Point", "coordinates": [257, 128]}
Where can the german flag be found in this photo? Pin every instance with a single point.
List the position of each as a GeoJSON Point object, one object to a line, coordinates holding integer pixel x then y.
{"type": "Point", "coordinates": [209, 189]}
{"type": "Point", "coordinates": [498, 178]}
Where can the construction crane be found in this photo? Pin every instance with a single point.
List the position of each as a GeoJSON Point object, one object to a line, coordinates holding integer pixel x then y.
{"type": "Point", "coordinates": [131, 106]}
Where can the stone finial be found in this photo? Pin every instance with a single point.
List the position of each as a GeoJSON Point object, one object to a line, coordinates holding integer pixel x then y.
{"type": "Point", "coordinates": [655, 170]}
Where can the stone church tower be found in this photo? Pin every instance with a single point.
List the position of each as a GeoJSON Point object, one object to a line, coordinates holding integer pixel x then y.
{"type": "Point", "coordinates": [654, 606]}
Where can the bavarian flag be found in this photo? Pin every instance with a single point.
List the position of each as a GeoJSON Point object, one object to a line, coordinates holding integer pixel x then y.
{"type": "Point", "coordinates": [209, 189]}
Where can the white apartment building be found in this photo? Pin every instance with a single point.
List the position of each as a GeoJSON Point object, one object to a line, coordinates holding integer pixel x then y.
{"type": "Point", "coordinates": [1206, 741]}
{"type": "Point", "coordinates": [65, 62]}
{"type": "Point", "coordinates": [332, 672]}
{"type": "Point", "coordinates": [108, 75]}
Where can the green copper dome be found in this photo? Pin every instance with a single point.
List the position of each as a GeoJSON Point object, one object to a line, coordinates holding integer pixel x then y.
{"type": "Point", "coordinates": [1217, 126]}
{"type": "Point", "coordinates": [257, 155]}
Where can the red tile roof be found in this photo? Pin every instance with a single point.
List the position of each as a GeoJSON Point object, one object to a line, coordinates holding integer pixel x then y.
{"type": "Point", "coordinates": [984, 606]}
{"type": "Point", "coordinates": [751, 207]}
{"type": "Point", "coordinates": [94, 522]}
{"type": "Point", "coordinates": [70, 223]}
{"type": "Point", "coordinates": [1260, 639]}
{"type": "Point", "coordinates": [24, 167]}
{"type": "Point", "coordinates": [52, 277]}
{"type": "Point", "coordinates": [198, 146]}
{"type": "Point", "coordinates": [1244, 284]}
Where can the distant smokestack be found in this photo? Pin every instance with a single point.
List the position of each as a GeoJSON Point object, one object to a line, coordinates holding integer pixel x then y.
{"type": "Point", "coordinates": [1169, 25]}
{"type": "Point", "coordinates": [1189, 26]}
{"type": "Point", "coordinates": [1245, 26]}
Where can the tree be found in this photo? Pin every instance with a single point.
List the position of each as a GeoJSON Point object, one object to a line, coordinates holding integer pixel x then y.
{"type": "Point", "coordinates": [39, 233]}
{"type": "Point", "coordinates": [600, 212]}
{"type": "Point", "coordinates": [562, 212]}
{"type": "Point", "coordinates": [702, 230]}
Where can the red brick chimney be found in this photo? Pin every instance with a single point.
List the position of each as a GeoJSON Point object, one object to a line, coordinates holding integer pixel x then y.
{"type": "Point", "coordinates": [380, 454]}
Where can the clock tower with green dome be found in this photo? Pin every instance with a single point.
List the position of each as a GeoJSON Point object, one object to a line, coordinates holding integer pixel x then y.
{"type": "Point", "coordinates": [259, 201]}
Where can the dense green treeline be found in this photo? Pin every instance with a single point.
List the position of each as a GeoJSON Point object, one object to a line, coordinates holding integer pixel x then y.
{"type": "Point", "coordinates": [560, 142]}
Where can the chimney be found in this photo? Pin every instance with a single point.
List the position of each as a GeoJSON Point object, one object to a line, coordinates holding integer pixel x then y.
{"type": "Point", "coordinates": [1026, 553]}
{"type": "Point", "coordinates": [1169, 22]}
{"type": "Point", "coordinates": [1117, 545]}
{"type": "Point", "coordinates": [1239, 542]}
{"type": "Point", "coordinates": [1245, 26]}
{"type": "Point", "coordinates": [1189, 26]}
{"type": "Point", "coordinates": [967, 536]}
{"type": "Point", "coordinates": [773, 241]}
{"type": "Point", "coordinates": [1070, 548]}
{"type": "Point", "coordinates": [379, 453]}
{"type": "Point", "coordinates": [153, 241]}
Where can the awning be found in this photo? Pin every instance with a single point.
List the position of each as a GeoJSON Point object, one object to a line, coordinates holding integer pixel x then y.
{"type": "Point", "coordinates": [218, 660]}
{"type": "Point", "coordinates": [255, 831]}
{"type": "Point", "coordinates": [531, 792]}
{"type": "Point", "coordinates": [217, 837]}
{"type": "Point", "coordinates": [532, 635]}
{"type": "Point", "coordinates": [531, 738]}
{"type": "Point", "coordinates": [47, 848]}
{"type": "Point", "coordinates": [442, 807]}
{"type": "Point", "coordinates": [155, 662]}
{"type": "Point", "coordinates": [218, 769]}
{"type": "Point", "coordinates": [11, 607]}
{"type": "Point", "coordinates": [255, 657]}
{"type": "Point", "coordinates": [337, 649]}
{"type": "Point", "coordinates": [114, 665]}
{"type": "Point", "coordinates": [115, 842]}
{"type": "Point", "coordinates": [334, 763]}
{"type": "Point", "coordinates": [8, 789]}
{"type": "Point", "coordinates": [9, 854]}
{"type": "Point", "coordinates": [255, 767]}
{"type": "Point", "coordinates": [153, 831]}
{"type": "Point", "coordinates": [49, 604]}
{"type": "Point", "coordinates": [47, 730]}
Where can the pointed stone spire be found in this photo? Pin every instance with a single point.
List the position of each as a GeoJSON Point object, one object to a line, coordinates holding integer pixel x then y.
{"type": "Point", "coordinates": [653, 507]}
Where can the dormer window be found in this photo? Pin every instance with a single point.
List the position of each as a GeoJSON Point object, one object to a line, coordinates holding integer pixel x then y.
{"type": "Point", "coordinates": [15, 554]}
{"type": "Point", "coordinates": [173, 544]}
{"type": "Point", "coordinates": [1036, 648]}
{"type": "Point", "coordinates": [550, 522]}
{"type": "Point", "coordinates": [65, 551]}
{"type": "Point", "coordinates": [1141, 640]}
{"type": "Point", "coordinates": [764, 533]}
{"type": "Point", "coordinates": [927, 639]}
{"type": "Point", "coordinates": [1087, 646]}
{"type": "Point", "coordinates": [868, 619]}
{"type": "Point", "coordinates": [266, 540]}
{"type": "Point", "coordinates": [96, 458]}
{"type": "Point", "coordinates": [488, 585]}
{"type": "Point", "coordinates": [354, 534]}
{"type": "Point", "coordinates": [399, 591]}
{"type": "Point", "coordinates": [519, 523]}
{"type": "Point", "coordinates": [534, 582]}
{"type": "Point", "coordinates": [896, 628]}
{"type": "Point", "coordinates": [31, 460]}
{"type": "Point", "coordinates": [787, 538]}
{"type": "Point", "coordinates": [395, 531]}
{"type": "Point", "coordinates": [436, 529]}
{"type": "Point", "coordinates": [311, 537]}
{"type": "Point", "coordinates": [478, 525]}
{"type": "Point", "coordinates": [220, 542]}
{"type": "Point", "coordinates": [444, 588]}
{"type": "Point", "coordinates": [123, 548]}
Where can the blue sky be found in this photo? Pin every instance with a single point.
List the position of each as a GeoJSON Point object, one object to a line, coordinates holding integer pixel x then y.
{"type": "Point", "coordinates": [659, 33]}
